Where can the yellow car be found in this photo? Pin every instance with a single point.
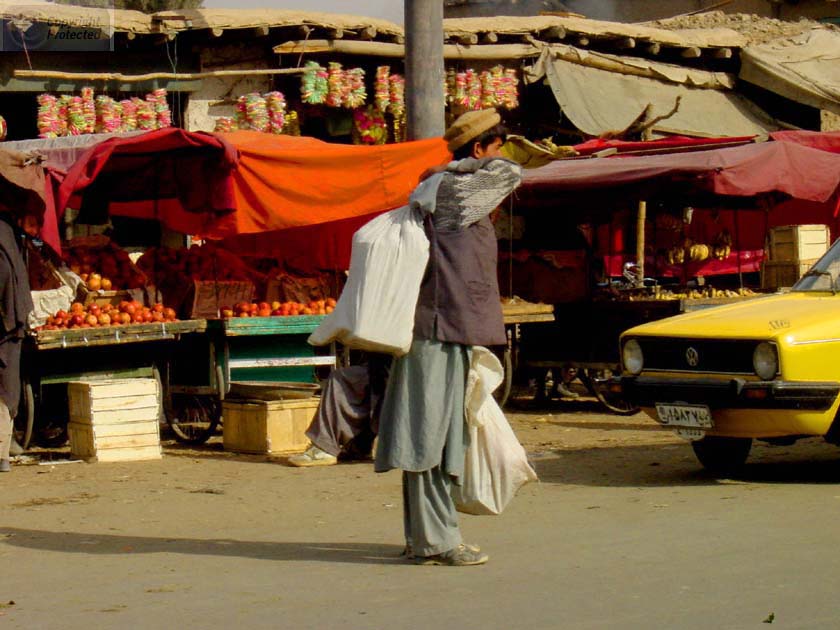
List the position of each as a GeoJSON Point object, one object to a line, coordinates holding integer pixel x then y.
{"type": "Point", "coordinates": [766, 368]}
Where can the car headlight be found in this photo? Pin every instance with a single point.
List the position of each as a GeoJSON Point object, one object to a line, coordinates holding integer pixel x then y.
{"type": "Point", "coordinates": [766, 361]}
{"type": "Point", "coordinates": [632, 357]}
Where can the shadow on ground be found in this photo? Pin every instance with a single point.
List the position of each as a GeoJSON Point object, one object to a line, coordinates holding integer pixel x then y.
{"type": "Point", "coordinates": [108, 544]}
{"type": "Point", "coordinates": [674, 465]}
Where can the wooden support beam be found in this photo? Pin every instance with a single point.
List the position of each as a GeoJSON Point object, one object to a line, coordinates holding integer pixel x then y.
{"type": "Point", "coordinates": [692, 52]}
{"type": "Point", "coordinates": [368, 33]}
{"type": "Point", "coordinates": [149, 76]}
{"type": "Point", "coordinates": [626, 43]}
{"type": "Point", "coordinates": [217, 32]}
{"type": "Point", "coordinates": [653, 48]}
{"type": "Point", "coordinates": [336, 33]}
{"type": "Point", "coordinates": [397, 51]}
{"type": "Point", "coordinates": [722, 53]}
{"type": "Point", "coordinates": [261, 31]}
{"type": "Point", "coordinates": [582, 41]}
{"type": "Point", "coordinates": [489, 38]}
{"type": "Point", "coordinates": [399, 39]}
{"type": "Point", "coordinates": [552, 33]}
{"type": "Point", "coordinates": [465, 39]}
{"type": "Point", "coordinates": [304, 31]}
{"type": "Point", "coordinates": [131, 36]}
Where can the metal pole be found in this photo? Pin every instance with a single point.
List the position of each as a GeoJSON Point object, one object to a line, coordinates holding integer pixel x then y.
{"type": "Point", "coordinates": [424, 71]}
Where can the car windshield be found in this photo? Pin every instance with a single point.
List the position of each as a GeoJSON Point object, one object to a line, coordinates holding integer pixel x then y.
{"type": "Point", "coordinates": [823, 276]}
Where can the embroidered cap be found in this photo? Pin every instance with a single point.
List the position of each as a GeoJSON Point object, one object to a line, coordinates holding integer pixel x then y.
{"type": "Point", "coordinates": [469, 126]}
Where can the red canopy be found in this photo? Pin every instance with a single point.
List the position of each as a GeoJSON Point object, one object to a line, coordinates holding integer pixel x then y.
{"type": "Point", "coordinates": [171, 175]}
{"type": "Point", "coordinates": [823, 140]}
{"type": "Point", "coordinates": [744, 171]}
{"type": "Point", "coordinates": [669, 144]}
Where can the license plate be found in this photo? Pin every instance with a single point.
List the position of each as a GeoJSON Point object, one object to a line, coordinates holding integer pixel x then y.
{"type": "Point", "coordinates": [697, 416]}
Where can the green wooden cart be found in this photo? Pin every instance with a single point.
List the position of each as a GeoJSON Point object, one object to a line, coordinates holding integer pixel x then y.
{"type": "Point", "coordinates": [233, 351]}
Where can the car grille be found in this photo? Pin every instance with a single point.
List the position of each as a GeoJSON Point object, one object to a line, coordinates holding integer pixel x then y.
{"type": "Point", "coordinates": [702, 356]}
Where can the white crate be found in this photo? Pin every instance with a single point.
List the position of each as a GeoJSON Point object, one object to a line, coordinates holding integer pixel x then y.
{"type": "Point", "coordinates": [114, 420]}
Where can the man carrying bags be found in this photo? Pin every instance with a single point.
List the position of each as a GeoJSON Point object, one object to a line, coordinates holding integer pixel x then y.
{"type": "Point", "coordinates": [422, 427]}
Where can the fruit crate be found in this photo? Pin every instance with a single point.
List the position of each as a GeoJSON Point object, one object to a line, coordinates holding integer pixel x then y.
{"type": "Point", "coordinates": [797, 243]}
{"type": "Point", "coordinates": [777, 275]}
{"type": "Point", "coordinates": [204, 299]}
{"type": "Point", "coordinates": [114, 419]}
{"type": "Point", "coordinates": [259, 426]}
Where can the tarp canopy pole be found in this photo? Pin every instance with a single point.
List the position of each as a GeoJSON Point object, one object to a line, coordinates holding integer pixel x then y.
{"type": "Point", "coordinates": [641, 219]}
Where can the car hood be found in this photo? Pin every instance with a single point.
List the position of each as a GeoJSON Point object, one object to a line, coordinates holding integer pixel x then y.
{"type": "Point", "coordinates": [790, 317]}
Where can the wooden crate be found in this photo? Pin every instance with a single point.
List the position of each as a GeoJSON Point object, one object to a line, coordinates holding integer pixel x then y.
{"type": "Point", "coordinates": [114, 420]}
{"type": "Point", "coordinates": [777, 275]}
{"type": "Point", "coordinates": [257, 426]}
{"type": "Point", "coordinates": [114, 401]}
{"type": "Point", "coordinates": [798, 243]}
{"type": "Point", "coordinates": [129, 441]}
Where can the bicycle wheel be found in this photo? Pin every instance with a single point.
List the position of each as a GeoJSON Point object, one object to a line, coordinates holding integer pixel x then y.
{"type": "Point", "coordinates": [596, 382]}
{"type": "Point", "coordinates": [193, 418]}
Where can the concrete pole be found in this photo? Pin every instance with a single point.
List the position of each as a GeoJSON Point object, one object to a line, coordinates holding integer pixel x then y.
{"type": "Point", "coordinates": [424, 71]}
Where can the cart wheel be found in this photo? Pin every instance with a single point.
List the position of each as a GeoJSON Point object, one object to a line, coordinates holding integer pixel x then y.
{"type": "Point", "coordinates": [502, 392]}
{"type": "Point", "coordinates": [193, 418]}
{"type": "Point", "coordinates": [595, 381]}
{"type": "Point", "coordinates": [25, 418]}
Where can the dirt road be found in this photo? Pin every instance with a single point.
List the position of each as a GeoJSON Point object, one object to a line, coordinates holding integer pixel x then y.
{"type": "Point", "coordinates": [624, 531]}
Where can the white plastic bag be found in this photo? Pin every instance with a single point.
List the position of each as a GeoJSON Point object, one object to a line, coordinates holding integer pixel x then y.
{"type": "Point", "coordinates": [496, 465]}
{"type": "Point", "coordinates": [375, 311]}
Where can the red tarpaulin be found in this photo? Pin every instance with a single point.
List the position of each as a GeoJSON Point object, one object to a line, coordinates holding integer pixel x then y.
{"type": "Point", "coordinates": [670, 144]}
{"type": "Point", "coordinates": [744, 171]}
{"type": "Point", "coordinates": [823, 140]}
{"type": "Point", "coordinates": [181, 178]}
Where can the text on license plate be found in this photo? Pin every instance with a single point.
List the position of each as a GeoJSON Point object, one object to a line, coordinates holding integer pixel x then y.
{"type": "Point", "coordinates": [685, 415]}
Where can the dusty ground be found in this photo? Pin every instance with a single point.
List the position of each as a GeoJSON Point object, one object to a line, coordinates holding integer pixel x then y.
{"type": "Point", "coordinates": [624, 531]}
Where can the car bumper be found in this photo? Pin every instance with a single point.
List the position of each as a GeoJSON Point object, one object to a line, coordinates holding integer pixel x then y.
{"type": "Point", "coordinates": [646, 391]}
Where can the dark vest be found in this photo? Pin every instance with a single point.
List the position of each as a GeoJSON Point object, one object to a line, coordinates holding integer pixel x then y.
{"type": "Point", "coordinates": [459, 298]}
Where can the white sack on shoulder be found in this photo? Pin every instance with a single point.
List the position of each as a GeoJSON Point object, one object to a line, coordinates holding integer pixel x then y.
{"type": "Point", "coordinates": [496, 465]}
{"type": "Point", "coordinates": [375, 311]}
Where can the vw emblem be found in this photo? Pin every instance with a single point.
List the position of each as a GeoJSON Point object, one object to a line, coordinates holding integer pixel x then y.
{"type": "Point", "coordinates": [692, 357]}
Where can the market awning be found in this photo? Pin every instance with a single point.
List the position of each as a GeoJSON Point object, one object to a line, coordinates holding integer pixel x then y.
{"type": "Point", "coordinates": [598, 101]}
{"type": "Point", "coordinates": [804, 68]}
{"type": "Point", "coordinates": [744, 171]}
{"type": "Point", "coordinates": [181, 178]}
{"type": "Point", "coordinates": [283, 181]}
{"type": "Point", "coordinates": [21, 184]}
{"type": "Point", "coordinates": [823, 140]}
{"type": "Point", "coordinates": [62, 153]}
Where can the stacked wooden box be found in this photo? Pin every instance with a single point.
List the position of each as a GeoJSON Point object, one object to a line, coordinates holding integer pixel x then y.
{"type": "Point", "coordinates": [267, 426]}
{"type": "Point", "coordinates": [115, 420]}
{"type": "Point", "coordinates": [791, 251]}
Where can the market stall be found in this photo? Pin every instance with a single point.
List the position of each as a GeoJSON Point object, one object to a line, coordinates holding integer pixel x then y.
{"type": "Point", "coordinates": [240, 324]}
{"type": "Point", "coordinates": [585, 247]}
